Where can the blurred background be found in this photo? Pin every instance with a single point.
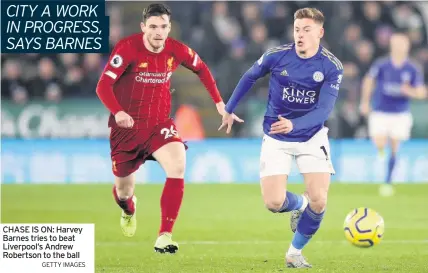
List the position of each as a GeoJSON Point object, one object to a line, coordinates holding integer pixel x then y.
{"type": "Point", "coordinates": [47, 97]}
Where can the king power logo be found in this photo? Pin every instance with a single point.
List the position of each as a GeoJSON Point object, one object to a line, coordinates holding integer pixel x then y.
{"type": "Point", "coordinates": [299, 96]}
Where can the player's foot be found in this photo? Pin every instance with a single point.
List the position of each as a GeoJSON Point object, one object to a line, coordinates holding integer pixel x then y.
{"type": "Point", "coordinates": [165, 244]}
{"type": "Point", "coordinates": [295, 214]}
{"type": "Point", "coordinates": [296, 261]}
{"type": "Point", "coordinates": [128, 223]}
{"type": "Point", "coordinates": [386, 190]}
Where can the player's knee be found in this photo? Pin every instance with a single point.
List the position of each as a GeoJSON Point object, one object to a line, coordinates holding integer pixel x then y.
{"type": "Point", "coordinates": [274, 205]}
{"type": "Point", "coordinates": [176, 169]}
{"type": "Point", "coordinates": [124, 186]}
{"type": "Point", "coordinates": [395, 145]}
{"type": "Point", "coordinates": [124, 192]}
{"type": "Point", "coordinates": [318, 203]}
{"type": "Point", "coordinates": [380, 142]}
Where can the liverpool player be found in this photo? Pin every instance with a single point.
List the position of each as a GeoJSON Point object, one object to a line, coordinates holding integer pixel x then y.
{"type": "Point", "coordinates": [135, 87]}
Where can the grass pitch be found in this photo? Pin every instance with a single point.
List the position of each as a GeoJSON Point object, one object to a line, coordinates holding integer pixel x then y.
{"type": "Point", "coordinates": [225, 228]}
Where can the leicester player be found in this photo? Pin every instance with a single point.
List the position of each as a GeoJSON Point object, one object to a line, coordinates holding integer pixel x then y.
{"type": "Point", "coordinates": [135, 88]}
{"type": "Point", "coordinates": [303, 87]}
{"type": "Point", "coordinates": [387, 89]}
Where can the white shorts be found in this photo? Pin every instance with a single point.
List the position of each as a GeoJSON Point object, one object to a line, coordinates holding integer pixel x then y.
{"type": "Point", "coordinates": [312, 156]}
{"type": "Point", "coordinates": [394, 125]}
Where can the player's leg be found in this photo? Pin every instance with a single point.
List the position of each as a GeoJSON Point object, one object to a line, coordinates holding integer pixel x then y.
{"type": "Point", "coordinates": [395, 145]}
{"type": "Point", "coordinates": [172, 158]}
{"type": "Point", "coordinates": [401, 126]}
{"type": "Point", "coordinates": [380, 128]}
{"type": "Point", "coordinates": [275, 165]}
{"type": "Point", "coordinates": [123, 192]}
{"type": "Point", "coordinates": [314, 162]}
{"type": "Point", "coordinates": [378, 131]}
{"type": "Point", "coordinates": [125, 161]}
{"type": "Point", "coordinates": [380, 142]}
{"type": "Point", "coordinates": [387, 189]}
{"type": "Point", "coordinates": [276, 197]}
{"type": "Point", "coordinates": [317, 185]}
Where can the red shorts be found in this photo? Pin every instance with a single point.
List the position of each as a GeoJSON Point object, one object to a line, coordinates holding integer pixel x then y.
{"type": "Point", "coordinates": [131, 148]}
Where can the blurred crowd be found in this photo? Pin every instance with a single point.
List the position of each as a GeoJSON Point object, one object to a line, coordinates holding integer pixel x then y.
{"type": "Point", "coordinates": [230, 36]}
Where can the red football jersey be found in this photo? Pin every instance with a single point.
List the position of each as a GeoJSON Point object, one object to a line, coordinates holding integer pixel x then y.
{"type": "Point", "coordinates": [137, 80]}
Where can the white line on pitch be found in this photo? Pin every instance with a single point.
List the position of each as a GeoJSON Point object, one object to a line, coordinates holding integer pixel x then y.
{"type": "Point", "coordinates": [415, 242]}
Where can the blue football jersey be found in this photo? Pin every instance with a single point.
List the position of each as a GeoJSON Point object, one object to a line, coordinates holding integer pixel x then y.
{"type": "Point", "coordinates": [301, 90]}
{"type": "Point", "coordinates": [387, 96]}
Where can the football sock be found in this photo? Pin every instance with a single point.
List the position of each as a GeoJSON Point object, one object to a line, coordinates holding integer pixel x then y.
{"type": "Point", "coordinates": [292, 202]}
{"type": "Point", "coordinates": [307, 226]}
{"type": "Point", "coordinates": [299, 241]}
{"type": "Point", "coordinates": [391, 165]}
{"type": "Point", "coordinates": [127, 204]}
{"type": "Point", "coordinates": [170, 202]}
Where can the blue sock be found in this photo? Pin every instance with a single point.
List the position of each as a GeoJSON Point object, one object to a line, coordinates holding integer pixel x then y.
{"type": "Point", "coordinates": [292, 202]}
{"type": "Point", "coordinates": [300, 240]}
{"type": "Point", "coordinates": [308, 224]}
{"type": "Point", "coordinates": [391, 165]}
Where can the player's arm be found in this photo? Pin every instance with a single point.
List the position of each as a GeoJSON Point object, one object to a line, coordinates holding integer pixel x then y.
{"type": "Point", "coordinates": [119, 60]}
{"type": "Point", "coordinates": [326, 101]}
{"type": "Point", "coordinates": [116, 65]}
{"type": "Point", "coordinates": [192, 61]}
{"type": "Point", "coordinates": [368, 85]}
{"type": "Point", "coordinates": [416, 89]}
{"type": "Point", "coordinates": [257, 71]}
{"type": "Point", "coordinates": [419, 92]}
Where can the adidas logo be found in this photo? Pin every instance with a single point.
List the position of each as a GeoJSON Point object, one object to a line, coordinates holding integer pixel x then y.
{"type": "Point", "coordinates": [284, 73]}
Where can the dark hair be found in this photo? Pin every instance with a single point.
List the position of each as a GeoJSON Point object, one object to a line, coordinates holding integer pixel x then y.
{"type": "Point", "coordinates": [156, 10]}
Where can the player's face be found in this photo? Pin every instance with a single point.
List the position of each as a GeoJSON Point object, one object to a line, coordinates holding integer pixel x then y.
{"type": "Point", "coordinates": [156, 29]}
{"type": "Point", "coordinates": [307, 34]}
{"type": "Point", "coordinates": [399, 45]}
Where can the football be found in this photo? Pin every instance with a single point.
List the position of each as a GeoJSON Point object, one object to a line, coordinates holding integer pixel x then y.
{"type": "Point", "coordinates": [364, 227]}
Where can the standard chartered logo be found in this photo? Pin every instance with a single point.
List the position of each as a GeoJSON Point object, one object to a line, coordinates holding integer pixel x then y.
{"type": "Point", "coordinates": [148, 77]}
{"type": "Point", "coordinates": [300, 96]}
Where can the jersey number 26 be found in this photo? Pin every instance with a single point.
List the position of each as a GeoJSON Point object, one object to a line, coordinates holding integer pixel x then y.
{"type": "Point", "coordinates": [171, 132]}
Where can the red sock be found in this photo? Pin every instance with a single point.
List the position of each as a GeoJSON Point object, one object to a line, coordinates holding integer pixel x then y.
{"type": "Point", "coordinates": [127, 205]}
{"type": "Point", "coordinates": [171, 198]}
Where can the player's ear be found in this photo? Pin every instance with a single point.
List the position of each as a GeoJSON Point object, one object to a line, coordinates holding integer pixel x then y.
{"type": "Point", "coordinates": [321, 32]}
{"type": "Point", "coordinates": [168, 28]}
{"type": "Point", "coordinates": [143, 26]}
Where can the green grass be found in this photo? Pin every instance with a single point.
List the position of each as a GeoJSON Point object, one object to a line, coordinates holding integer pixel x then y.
{"type": "Point", "coordinates": [225, 228]}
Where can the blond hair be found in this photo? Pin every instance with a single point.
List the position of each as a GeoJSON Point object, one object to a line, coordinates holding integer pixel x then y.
{"type": "Point", "coordinates": [310, 13]}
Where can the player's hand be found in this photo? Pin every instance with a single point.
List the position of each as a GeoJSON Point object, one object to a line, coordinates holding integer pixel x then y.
{"type": "Point", "coordinates": [123, 120]}
{"type": "Point", "coordinates": [283, 126]}
{"type": "Point", "coordinates": [365, 109]}
{"type": "Point", "coordinates": [221, 108]}
{"type": "Point", "coordinates": [227, 120]}
{"type": "Point", "coordinates": [406, 90]}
